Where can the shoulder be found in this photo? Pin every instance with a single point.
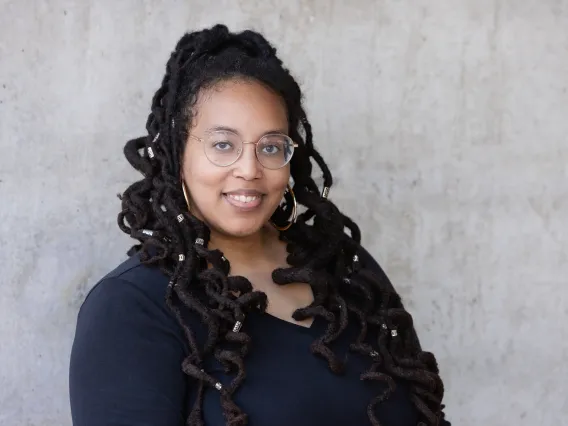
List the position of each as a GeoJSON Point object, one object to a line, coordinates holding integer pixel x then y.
{"type": "Point", "coordinates": [127, 350]}
{"type": "Point", "coordinates": [127, 308]}
{"type": "Point", "coordinates": [367, 259]}
{"type": "Point", "coordinates": [147, 279]}
{"type": "Point", "coordinates": [128, 289]}
{"type": "Point", "coordinates": [370, 263]}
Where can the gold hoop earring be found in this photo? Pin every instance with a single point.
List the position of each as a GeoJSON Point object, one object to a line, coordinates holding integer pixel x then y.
{"type": "Point", "coordinates": [184, 189]}
{"type": "Point", "coordinates": [294, 212]}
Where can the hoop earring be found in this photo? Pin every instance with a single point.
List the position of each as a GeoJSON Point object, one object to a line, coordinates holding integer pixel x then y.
{"type": "Point", "coordinates": [294, 212]}
{"type": "Point", "coordinates": [184, 189]}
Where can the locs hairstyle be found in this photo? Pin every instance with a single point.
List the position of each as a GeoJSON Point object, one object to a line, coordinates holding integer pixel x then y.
{"type": "Point", "coordinates": [323, 244]}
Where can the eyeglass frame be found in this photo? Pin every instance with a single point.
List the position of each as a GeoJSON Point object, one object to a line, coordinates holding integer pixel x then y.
{"type": "Point", "coordinates": [294, 144]}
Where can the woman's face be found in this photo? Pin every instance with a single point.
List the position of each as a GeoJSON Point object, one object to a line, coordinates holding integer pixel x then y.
{"type": "Point", "coordinates": [239, 199]}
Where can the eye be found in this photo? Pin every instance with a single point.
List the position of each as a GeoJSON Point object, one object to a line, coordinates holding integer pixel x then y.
{"type": "Point", "coordinates": [223, 145]}
{"type": "Point", "coordinates": [271, 149]}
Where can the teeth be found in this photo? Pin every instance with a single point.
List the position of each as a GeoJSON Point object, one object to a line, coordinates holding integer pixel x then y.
{"type": "Point", "coordinates": [243, 198]}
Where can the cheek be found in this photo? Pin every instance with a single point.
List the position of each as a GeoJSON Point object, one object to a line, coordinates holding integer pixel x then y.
{"type": "Point", "coordinates": [278, 183]}
{"type": "Point", "coordinates": [203, 179]}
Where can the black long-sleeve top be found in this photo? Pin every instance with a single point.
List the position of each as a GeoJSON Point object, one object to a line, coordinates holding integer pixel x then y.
{"type": "Point", "coordinates": [126, 365]}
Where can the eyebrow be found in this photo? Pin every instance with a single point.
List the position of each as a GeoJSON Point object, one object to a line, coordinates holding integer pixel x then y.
{"type": "Point", "coordinates": [235, 131]}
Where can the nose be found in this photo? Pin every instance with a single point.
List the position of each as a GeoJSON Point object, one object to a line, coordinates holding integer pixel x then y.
{"type": "Point", "coordinates": [247, 166]}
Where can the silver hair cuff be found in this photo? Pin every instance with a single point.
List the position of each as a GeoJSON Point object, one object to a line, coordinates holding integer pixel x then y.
{"type": "Point", "coordinates": [237, 327]}
{"type": "Point", "coordinates": [325, 192]}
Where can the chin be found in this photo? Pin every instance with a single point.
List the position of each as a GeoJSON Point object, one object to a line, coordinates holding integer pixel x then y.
{"type": "Point", "coordinates": [239, 229]}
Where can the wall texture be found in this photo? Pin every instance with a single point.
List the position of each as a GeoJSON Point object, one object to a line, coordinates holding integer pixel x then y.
{"type": "Point", "coordinates": [445, 123]}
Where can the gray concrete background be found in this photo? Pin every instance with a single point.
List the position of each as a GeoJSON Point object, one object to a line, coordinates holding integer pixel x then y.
{"type": "Point", "coordinates": [445, 123]}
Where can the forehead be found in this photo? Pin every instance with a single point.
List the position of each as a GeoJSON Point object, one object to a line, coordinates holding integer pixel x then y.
{"type": "Point", "coordinates": [249, 107]}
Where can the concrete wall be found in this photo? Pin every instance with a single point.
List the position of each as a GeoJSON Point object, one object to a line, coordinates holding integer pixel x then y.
{"type": "Point", "coordinates": [444, 121]}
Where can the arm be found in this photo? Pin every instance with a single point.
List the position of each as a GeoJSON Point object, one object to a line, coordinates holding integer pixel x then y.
{"type": "Point", "coordinates": [125, 362]}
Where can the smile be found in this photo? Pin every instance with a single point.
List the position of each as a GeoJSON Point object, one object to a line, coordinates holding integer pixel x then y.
{"type": "Point", "coordinates": [244, 198]}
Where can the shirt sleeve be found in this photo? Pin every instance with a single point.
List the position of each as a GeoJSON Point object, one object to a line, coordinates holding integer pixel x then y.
{"type": "Point", "coordinates": [126, 360]}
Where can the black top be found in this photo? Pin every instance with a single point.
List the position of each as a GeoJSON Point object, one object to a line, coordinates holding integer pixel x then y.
{"type": "Point", "coordinates": [126, 366]}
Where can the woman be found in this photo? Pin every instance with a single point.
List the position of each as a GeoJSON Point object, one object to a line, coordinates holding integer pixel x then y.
{"type": "Point", "coordinates": [235, 308]}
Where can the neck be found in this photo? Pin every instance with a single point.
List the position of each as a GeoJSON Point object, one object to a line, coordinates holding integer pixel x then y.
{"type": "Point", "coordinates": [247, 250]}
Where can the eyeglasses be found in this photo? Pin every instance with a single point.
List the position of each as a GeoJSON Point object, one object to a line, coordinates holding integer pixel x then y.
{"type": "Point", "coordinates": [223, 148]}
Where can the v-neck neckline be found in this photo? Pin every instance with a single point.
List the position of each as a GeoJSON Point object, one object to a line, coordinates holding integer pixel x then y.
{"type": "Point", "coordinates": [314, 328]}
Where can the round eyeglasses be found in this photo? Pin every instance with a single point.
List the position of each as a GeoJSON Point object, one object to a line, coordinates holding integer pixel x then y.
{"type": "Point", "coordinates": [223, 148]}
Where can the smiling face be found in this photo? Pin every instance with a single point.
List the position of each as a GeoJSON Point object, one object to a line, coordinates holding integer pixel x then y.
{"type": "Point", "coordinates": [238, 199]}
